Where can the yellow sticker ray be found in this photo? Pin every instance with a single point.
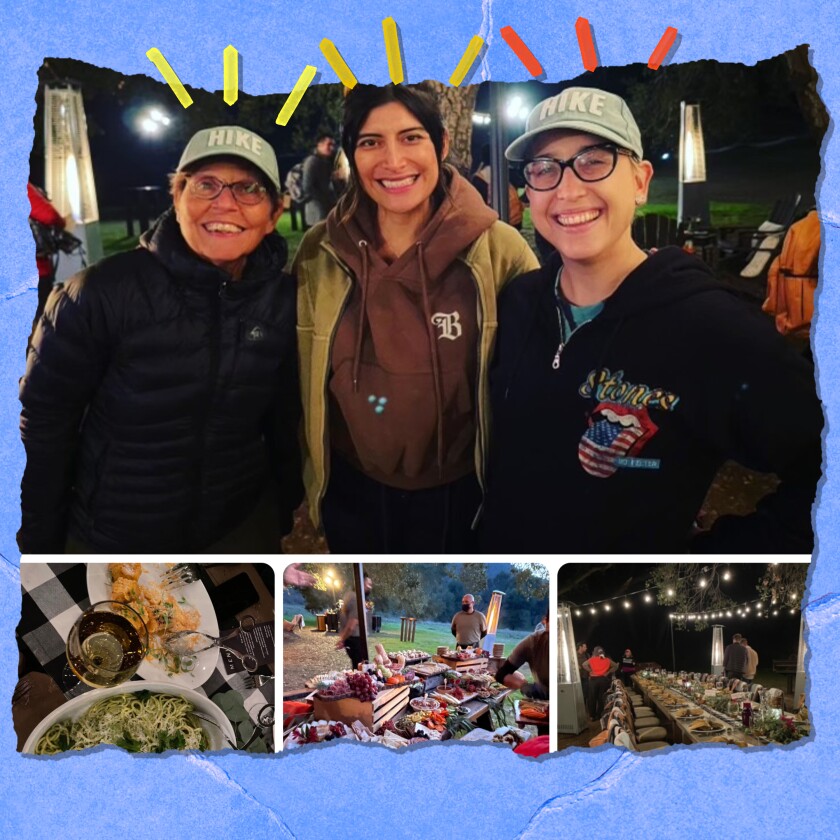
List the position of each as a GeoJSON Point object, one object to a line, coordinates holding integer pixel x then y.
{"type": "Point", "coordinates": [231, 64]}
{"type": "Point", "coordinates": [169, 76]}
{"type": "Point", "coordinates": [467, 59]}
{"type": "Point", "coordinates": [344, 73]}
{"type": "Point", "coordinates": [293, 99]}
{"type": "Point", "coordinates": [392, 50]}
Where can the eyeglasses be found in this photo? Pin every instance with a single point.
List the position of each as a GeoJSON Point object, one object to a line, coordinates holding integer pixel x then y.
{"type": "Point", "coordinates": [245, 192]}
{"type": "Point", "coordinates": [592, 164]}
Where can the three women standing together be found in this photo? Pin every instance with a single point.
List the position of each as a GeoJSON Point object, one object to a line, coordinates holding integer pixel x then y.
{"type": "Point", "coordinates": [166, 366]}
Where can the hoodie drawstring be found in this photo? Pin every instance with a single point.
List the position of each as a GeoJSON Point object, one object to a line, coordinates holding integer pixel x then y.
{"type": "Point", "coordinates": [433, 349]}
{"type": "Point", "coordinates": [360, 331]}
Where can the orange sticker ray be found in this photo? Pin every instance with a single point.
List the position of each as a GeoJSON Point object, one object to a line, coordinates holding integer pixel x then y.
{"type": "Point", "coordinates": [169, 76]}
{"type": "Point", "coordinates": [586, 44]}
{"type": "Point", "coordinates": [338, 64]}
{"type": "Point", "coordinates": [467, 59]}
{"type": "Point", "coordinates": [293, 99]}
{"type": "Point", "coordinates": [661, 49]}
{"type": "Point", "coordinates": [520, 49]}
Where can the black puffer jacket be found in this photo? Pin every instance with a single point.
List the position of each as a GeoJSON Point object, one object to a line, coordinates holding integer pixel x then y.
{"type": "Point", "coordinates": [158, 398]}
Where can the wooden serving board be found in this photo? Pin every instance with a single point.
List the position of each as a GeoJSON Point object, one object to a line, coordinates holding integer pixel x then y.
{"type": "Point", "coordinates": [462, 664]}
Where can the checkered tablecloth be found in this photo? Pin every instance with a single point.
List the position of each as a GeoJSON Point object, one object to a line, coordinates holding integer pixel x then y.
{"type": "Point", "coordinates": [55, 595]}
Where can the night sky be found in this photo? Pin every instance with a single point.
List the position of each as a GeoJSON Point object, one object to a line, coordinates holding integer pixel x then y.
{"type": "Point", "coordinates": [645, 628]}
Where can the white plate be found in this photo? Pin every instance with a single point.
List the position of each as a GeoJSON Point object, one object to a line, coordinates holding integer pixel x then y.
{"type": "Point", "coordinates": [218, 736]}
{"type": "Point", "coordinates": [99, 589]}
{"type": "Point", "coordinates": [292, 743]}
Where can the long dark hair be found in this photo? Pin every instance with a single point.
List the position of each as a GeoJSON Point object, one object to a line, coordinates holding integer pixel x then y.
{"type": "Point", "coordinates": [420, 99]}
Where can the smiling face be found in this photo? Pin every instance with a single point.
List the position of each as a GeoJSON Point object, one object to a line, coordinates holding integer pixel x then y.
{"type": "Point", "coordinates": [396, 161]}
{"type": "Point", "coordinates": [220, 230]}
{"type": "Point", "coordinates": [588, 222]}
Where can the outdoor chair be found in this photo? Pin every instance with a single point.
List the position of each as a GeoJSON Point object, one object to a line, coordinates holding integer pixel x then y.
{"type": "Point", "coordinates": [625, 738]}
{"type": "Point", "coordinates": [655, 231]}
{"type": "Point", "coordinates": [763, 243]}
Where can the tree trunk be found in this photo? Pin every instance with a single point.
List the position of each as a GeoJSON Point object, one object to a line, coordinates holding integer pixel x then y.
{"type": "Point", "coordinates": [457, 105]}
{"type": "Point", "coordinates": [804, 79]}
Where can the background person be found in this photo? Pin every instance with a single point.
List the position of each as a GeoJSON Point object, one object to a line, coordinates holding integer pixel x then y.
{"type": "Point", "coordinates": [348, 625]}
{"type": "Point", "coordinates": [160, 401]}
{"type": "Point", "coordinates": [623, 380]}
{"type": "Point", "coordinates": [735, 659]}
{"type": "Point", "coordinates": [318, 188]}
{"type": "Point", "coordinates": [751, 665]}
{"type": "Point", "coordinates": [599, 667]}
{"type": "Point", "coordinates": [396, 314]}
{"type": "Point", "coordinates": [627, 667]}
{"type": "Point", "coordinates": [533, 650]}
{"type": "Point", "coordinates": [469, 626]}
{"type": "Point", "coordinates": [43, 213]}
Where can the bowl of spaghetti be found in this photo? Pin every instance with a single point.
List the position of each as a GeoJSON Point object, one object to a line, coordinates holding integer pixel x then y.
{"type": "Point", "coordinates": [139, 716]}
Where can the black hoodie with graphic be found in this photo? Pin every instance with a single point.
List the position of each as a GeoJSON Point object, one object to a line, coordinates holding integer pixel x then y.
{"type": "Point", "coordinates": [614, 449]}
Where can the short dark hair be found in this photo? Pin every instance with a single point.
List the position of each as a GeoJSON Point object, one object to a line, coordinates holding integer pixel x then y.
{"type": "Point", "coordinates": [420, 99]}
{"type": "Point", "coordinates": [324, 135]}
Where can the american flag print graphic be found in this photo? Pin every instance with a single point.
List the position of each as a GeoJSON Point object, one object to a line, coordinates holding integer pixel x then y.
{"type": "Point", "coordinates": [614, 432]}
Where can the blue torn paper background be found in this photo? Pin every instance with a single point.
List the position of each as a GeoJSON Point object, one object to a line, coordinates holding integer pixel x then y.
{"type": "Point", "coordinates": [446, 791]}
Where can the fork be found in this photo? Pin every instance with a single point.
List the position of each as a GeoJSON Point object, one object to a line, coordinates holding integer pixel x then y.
{"type": "Point", "coordinates": [249, 682]}
{"type": "Point", "coordinates": [180, 575]}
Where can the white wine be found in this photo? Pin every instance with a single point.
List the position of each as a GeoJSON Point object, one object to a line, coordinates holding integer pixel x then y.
{"type": "Point", "coordinates": [104, 649]}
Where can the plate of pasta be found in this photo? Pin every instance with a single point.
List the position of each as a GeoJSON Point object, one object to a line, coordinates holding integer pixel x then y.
{"type": "Point", "coordinates": [164, 611]}
{"type": "Point", "coordinates": [139, 716]}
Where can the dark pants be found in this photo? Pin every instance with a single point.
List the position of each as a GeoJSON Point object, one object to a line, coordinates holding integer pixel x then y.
{"type": "Point", "coordinates": [627, 678]}
{"type": "Point", "coordinates": [362, 516]}
{"type": "Point", "coordinates": [597, 689]}
{"type": "Point", "coordinates": [355, 650]}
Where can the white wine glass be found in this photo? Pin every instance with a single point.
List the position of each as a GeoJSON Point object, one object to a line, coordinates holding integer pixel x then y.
{"type": "Point", "coordinates": [106, 645]}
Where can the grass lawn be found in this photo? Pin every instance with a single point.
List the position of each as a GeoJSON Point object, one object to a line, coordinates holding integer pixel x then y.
{"type": "Point", "coordinates": [429, 635]}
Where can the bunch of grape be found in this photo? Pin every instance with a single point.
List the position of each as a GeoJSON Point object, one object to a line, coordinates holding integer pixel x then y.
{"type": "Point", "coordinates": [362, 686]}
{"type": "Point", "coordinates": [337, 691]}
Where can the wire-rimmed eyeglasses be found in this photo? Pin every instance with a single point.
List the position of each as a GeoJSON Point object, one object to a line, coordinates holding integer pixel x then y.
{"type": "Point", "coordinates": [244, 192]}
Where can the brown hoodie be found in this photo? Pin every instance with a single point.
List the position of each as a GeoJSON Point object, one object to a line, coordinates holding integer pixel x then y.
{"type": "Point", "coordinates": [402, 390]}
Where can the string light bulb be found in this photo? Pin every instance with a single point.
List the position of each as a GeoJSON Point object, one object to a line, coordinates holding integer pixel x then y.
{"type": "Point", "coordinates": [727, 575]}
{"type": "Point", "coordinates": [626, 605]}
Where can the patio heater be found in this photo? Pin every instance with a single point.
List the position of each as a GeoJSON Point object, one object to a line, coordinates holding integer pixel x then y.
{"type": "Point", "coordinates": [69, 172]}
{"type": "Point", "coordinates": [692, 196]}
{"type": "Point", "coordinates": [799, 684]}
{"type": "Point", "coordinates": [717, 650]}
{"type": "Point", "coordinates": [498, 163]}
{"type": "Point", "coordinates": [571, 708]}
{"type": "Point", "coordinates": [493, 613]}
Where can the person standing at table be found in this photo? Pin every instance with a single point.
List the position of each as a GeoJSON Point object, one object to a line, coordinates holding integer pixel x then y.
{"type": "Point", "coordinates": [533, 651]}
{"type": "Point", "coordinates": [469, 626]}
{"type": "Point", "coordinates": [735, 659]}
{"type": "Point", "coordinates": [582, 656]}
{"type": "Point", "coordinates": [752, 662]}
{"type": "Point", "coordinates": [348, 625]}
{"type": "Point", "coordinates": [599, 667]}
{"type": "Point", "coordinates": [627, 667]}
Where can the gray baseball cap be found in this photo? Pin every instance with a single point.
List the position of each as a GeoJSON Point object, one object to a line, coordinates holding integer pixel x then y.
{"type": "Point", "coordinates": [232, 141]}
{"type": "Point", "coordinates": [580, 109]}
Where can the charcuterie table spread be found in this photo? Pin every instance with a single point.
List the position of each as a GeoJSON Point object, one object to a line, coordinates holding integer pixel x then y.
{"type": "Point", "coordinates": [707, 711]}
{"type": "Point", "coordinates": [402, 698]}
{"type": "Point", "coordinates": [94, 674]}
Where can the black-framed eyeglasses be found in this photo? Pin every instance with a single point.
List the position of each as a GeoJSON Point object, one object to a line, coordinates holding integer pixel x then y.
{"type": "Point", "coordinates": [594, 163]}
{"type": "Point", "coordinates": [244, 192]}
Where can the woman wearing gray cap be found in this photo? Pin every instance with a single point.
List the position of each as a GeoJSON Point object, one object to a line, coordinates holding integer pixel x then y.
{"type": "Point", "coordinates": [623, 380]}
{"type": "Point", "coordinates": [160, 400]}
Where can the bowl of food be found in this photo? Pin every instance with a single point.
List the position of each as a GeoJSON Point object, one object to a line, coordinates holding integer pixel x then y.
{"type": "Point", "coordinates": [424, 704]}
{"type": "Point", "coordinates": [138, 716]}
